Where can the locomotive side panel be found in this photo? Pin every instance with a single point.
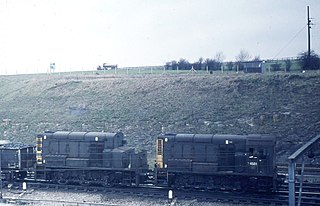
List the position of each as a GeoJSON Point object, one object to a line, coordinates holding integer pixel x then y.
{"type": "Point", "coordinates": [225, 152]}
{"type": "Point", "coordinates": [211, 153]}
{"type": "Point", "coordinates": [76, 149]}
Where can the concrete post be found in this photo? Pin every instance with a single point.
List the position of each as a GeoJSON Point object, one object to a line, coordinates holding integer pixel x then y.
{"type": "Point", "coordinates": [291, 181]}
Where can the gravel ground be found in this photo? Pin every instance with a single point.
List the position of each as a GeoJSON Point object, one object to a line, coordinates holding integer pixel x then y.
{"type": "Point", "coordinates": [63, 198]}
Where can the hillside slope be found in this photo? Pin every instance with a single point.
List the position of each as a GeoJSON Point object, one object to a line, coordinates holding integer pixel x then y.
{"type": "Point", "coordinates": [286, 105]}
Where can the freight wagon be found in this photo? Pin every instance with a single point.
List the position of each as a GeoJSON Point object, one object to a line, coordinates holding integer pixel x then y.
{"type": "Point", "coordinates": [16, 159]}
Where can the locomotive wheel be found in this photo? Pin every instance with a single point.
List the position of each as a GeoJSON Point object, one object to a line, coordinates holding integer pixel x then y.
{"type": "Point", "coordinates": [181, 182]}
{"type": "Point", "coordinates": [108, 180]}
{"type": "Point", "coordinates": [61, 178]}
{"type": "Point", "coordinates": [84, 183]}
{"type": "Point", "coordinates": [83, 179]}
{"type": "Point", "coordinates": [62, 182]}
{"type": "Point", "coordinates": [107, 184]}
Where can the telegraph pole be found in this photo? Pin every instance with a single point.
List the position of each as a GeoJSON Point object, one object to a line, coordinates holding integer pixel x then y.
{"type": "Point", "coordinates": [309, 27]}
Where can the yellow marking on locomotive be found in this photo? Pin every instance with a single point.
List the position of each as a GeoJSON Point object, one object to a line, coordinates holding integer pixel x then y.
{"type": "Point", "coordinates": [39, 150]}
{"type": "Point", "coordinates": [159, 154]}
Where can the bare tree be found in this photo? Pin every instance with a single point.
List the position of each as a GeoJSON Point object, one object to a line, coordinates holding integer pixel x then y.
{"type": "Point", "coordinates": [219, 57]}
{"type": "Point", "coordinates": [242, 57]}
{"type": "Point", "coordinates": [256, 58]}
{"type": "Point", "coordinates": [210, 64]}
{"type": "Point", "coordinates": [171, 65]}
{"type": "Point", "coordinates": [184, 64]}
{"type": "Point", "coordinates": [198, 65]}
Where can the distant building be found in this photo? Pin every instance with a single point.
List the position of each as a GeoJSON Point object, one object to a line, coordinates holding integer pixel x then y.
{"type": "Point", "coordinates": [254, 67]}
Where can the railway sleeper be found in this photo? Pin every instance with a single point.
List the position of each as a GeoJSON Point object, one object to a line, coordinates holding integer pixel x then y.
{"type": "Point", "coordinates": [220, 182]}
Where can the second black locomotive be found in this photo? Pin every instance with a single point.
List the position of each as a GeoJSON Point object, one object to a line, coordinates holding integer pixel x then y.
{"type": "Point", "coordinates": [236, 162]}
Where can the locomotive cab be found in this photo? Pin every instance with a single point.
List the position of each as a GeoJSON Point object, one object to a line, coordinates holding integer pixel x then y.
{"type": "Point", "coordinates": [260, 154]}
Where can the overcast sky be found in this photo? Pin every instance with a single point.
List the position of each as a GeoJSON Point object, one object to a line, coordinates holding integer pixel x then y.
{"type": "Point", "coordinates": [81, 34]}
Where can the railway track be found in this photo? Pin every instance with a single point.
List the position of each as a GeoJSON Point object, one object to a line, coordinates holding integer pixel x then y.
{"type": "Point", "coordinates": [161, 193]}
{"type": "Point", "coordinates": [22, 201]}
{"type": "Point", "coordinates": [310, 194]}
{"type": "Point", "coordinates": [309, 183]}
{"type": "Point", "coordinates": [312, 169]}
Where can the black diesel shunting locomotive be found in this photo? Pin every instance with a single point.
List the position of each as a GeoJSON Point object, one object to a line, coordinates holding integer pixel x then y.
{"type": "Point", "coordinates": [205, 161]}
{"type": "Point", "coordinates": [208, 161]}
{"type": "Point", "coordinates": [88, 158]}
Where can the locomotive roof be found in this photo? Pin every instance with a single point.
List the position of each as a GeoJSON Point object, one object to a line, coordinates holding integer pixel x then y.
{"type": "Point", "coordinates": [82, 133]}
{"type": "Point", "coordinates": [76, 135]}
{"type": "Point", "coordinates": [209, 137]}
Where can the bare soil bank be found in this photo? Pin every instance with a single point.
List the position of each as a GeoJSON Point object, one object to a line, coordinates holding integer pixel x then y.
{"type": "Point", "coordinates": [142, 106]}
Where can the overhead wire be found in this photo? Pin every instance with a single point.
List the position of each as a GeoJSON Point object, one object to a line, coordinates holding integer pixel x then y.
{"type": "Point", "coordinates": [289, 42]}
